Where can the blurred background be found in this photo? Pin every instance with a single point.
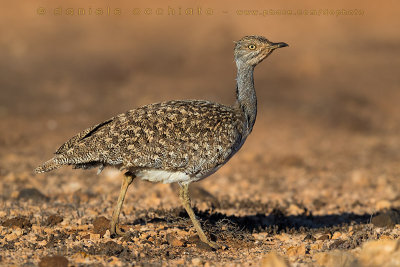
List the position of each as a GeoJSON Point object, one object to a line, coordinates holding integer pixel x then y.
{"type": "Point", "coordinates": [328, 122]}
{"type": "Point", "coordinates": [325, 149]}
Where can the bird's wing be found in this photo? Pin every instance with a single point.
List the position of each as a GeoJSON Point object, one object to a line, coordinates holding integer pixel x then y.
{"type": "Point", "coordinates": [82, 135]}
{"type": "Point", "coordinates": [177, 135]}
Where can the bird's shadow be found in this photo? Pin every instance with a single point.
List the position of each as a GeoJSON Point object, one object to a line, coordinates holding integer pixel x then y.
{"type": "Point", "coordinates": [275, 221]}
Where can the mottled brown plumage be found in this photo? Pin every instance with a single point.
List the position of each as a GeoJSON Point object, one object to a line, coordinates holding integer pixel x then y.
{"type": "Point", "coordinates": [191, 136]}
{"type": "Point", "coordinates": [175, 141]}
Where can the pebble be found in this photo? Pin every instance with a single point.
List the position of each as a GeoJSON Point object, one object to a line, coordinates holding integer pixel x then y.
{"type": "Point", "coordinates": [385, 237]}
{"type": "Point", "coordinates": [173, 240]}
{"type": "Point", "coordinates": [19, 222]}
{"type": "Point", "coordinates": [317, 245]}
{"type": "Point", "coordinates": [53, 261]}
{"type": "Point", "coordinates": [309, 237]}
{"type": "Point", "coordinates": [274, 260]}
{"type": "Point", "coordinates": [114, 261]}
{"type": "Point", "coordinates": [323, 237]}
{"type": "Point", "coordinates": [107, 234]}
{"type": "Point", "coordinates": [196, 261]}
{"type": "Point", "coordinates": [179, 262]}
{"type": "Point", "coordinates": [335, 258]}
{"type": "Point", "coordinates": [380, 253]}
{"type": "Point", "coordinates": [283, 237]}
{"type": "Point", "coordinates": [94, 236]}
{"type": "Point", "coordinates": [101, 225]}
{"type": "Point", "coordinates": [31, 193]}
{"type": "Point", "coordinates": [382, 205]}
{"type": "Point", "coordinates": [54, 220]}
{"type": "Point", "coordinates": [295, 210]}
{"type": "Point", "coordinates": [11, 237]}
{"type": "Point", "coordinates": [386, 219]}
{"type": "Point", "coordinates": [296, 251]}
{"type": "Point", "coordinates": [111, 248]}
{"type": "Point", "coordinates": [336, 235]}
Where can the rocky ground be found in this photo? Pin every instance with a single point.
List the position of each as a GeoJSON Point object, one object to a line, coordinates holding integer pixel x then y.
{"type": "Point", "coordinates": [274, 203]}
{"type": "Point", "coordinates": [316, 184]}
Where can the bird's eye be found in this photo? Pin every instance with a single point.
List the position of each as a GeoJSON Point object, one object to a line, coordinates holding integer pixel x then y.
{"type": "Point", "coordinates": [252, 47]}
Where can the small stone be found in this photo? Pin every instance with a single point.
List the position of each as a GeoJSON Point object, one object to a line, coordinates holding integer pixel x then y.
{"type": "Point", "coordinates": [380, 253]}
{"type": "Point", "coordinates": [19, 222]}
{"type": "Point", "coordinates": [386, 237]}
{"type": "Point", "coordinates": [196, 261]}
{"type": "Point", "coordinates": [316, 246]}
{"type": "Point", "coordinates": [173, 240]}
{"type": "Point", "coordinates": [292, 161]}
{"type": "Point", "coordinates": [318, 203]}
{"type": "Point", "coordinates": [94, 236]}
{"type": "Point", "coordinates": [386, 219]}
{"type": "Point", "coordinates": [179, 262]}
{"type": "Point", "coordinates": [360, 178]}
{"type": "Point", "coordinates": [296, 251]}
{"type": "Point", "coordinates": [28, 264]}
{"type": "Point", "coordinates": [32, 193]}
{"type": "Point", "coordinates": [79, 196]}
{"type": "Point", "coordinates": [53, 261]}
{"type": "Point", "coordinates": [335, 258]}
{"type": "Point", "coordinates": [14, 194]}
{"type": "Point", "coordinates": [107, 234]}
{"type": "Point", "coordinates": [111, 248]}
{"type": "Point", "coordinates": [283, 237]}
{"type": "Point", "coordinates": [203, 246]}
{"type": "Point", "coordinates": [224, 247]}
{"type": "Point", "coordinates": [53, 220]}
{"type": "Point", "coordinates": [86, 236]}
{"type": "Point", "coordinates": [11, 237]}
{"type": "Point", "coordinates": [114, 261]}
{"type": "Point", "coordinates": [101, 225]}
{"type": "Point", "coordinates": [383, 205]}
{"type": "Point", "coordinates": [323, 237]}
{"type": "Point", "coordinates": [295, 210]}
{"type": "Point", "coordinates": [336, 235]}
{"type": "Point", "coordinates": [42, 243]}
{"type": "Point", "coordinates": [18, 231]}
{"type": "Point", "coordinates": [309, 237]}
{"type": "Point", "coordinates": [337, 244]}
{"type": "Point", "coordinates": [274, 260]}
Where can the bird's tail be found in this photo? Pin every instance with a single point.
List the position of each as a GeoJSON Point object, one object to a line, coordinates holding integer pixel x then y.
{"type": "Point", "coordinates": [49, 165]}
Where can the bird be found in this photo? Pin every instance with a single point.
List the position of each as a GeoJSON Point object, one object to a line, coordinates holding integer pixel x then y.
{"type": "Point", "coordinates": [180, 141]}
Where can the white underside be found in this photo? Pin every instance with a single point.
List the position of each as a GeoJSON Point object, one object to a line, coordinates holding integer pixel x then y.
{"type": "Point", "coordinates": [165, 177]}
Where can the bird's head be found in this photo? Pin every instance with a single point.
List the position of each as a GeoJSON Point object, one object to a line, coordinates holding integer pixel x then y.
{"type": "Point", "coordinates": [251, 50]}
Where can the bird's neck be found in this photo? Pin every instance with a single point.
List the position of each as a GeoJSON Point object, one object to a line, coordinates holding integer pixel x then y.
{"type": "Point", "coordinates": [246, 98]}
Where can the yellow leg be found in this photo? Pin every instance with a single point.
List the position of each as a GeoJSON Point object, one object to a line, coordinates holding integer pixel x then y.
{"type": "Point", "coordinates": [115, 218]}
{"type": "Point", "coordinates": [185, 198]}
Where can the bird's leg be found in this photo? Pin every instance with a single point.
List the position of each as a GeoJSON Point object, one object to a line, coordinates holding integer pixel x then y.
{"type": "Point", "coordinates": [185, 198]}
{"type": "Point", "coordinates": [115, 230]}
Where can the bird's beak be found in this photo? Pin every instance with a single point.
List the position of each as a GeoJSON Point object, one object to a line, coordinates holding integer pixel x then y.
{"type": "Point", "coordinates": [278, 45]}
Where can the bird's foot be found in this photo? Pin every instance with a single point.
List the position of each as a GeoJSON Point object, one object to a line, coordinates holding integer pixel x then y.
{"type": "Point", "coordinates": [211, 244]}
{"type": "Point", "coordinates": [214, 245]}
{"type": "Point", "coordinates": [116, 231]}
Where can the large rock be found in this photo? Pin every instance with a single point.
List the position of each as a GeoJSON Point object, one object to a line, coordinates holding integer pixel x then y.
{"type": "Point", "coordinates": [383, 253]}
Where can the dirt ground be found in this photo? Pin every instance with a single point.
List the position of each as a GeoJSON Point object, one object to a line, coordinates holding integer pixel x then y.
{"type": "Point", "coordinates": [315, 184]}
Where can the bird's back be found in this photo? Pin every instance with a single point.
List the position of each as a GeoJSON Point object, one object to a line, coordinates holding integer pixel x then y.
{"type": "Point", "coordinates": [192, 137]}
